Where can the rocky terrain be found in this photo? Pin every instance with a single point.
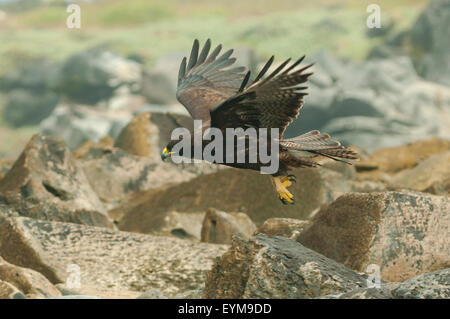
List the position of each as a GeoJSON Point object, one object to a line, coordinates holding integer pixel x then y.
{"type": "Point", "coordinates": [89, 210]}
{"type": "Point", "coordinates": [137, 227]}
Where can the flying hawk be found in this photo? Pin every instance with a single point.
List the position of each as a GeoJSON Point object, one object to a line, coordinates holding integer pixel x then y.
{"type": "Point", "coordinates": [224, 97]}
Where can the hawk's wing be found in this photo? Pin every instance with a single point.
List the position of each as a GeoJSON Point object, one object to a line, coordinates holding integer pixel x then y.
{"type": "Point", "coordinates": [272, 102]}
{"type": "Point", "coordinates": [205, 82]}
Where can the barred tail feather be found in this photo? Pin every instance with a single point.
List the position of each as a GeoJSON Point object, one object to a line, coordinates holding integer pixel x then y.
{"type": "Point", "coordinates": [320, 144]}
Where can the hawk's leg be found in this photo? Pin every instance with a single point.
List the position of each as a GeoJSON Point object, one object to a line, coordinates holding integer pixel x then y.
{"type": "Point", "coordinates": [281, 183]}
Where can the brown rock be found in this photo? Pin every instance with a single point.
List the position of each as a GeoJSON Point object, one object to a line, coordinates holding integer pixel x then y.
{"type": "Point", "coordinates": [277, 267]}
{"type": "Point", "coordinates": [148, 133]}
{"type": "Point", "coordinates": [431, 176]}
{"type": "Point", "coordinates": [45, 183]}
{"type": "Point", "coordinates": [31, 283]}
{"type": "Point", "coordinates": [5, 165]}
{"type": "Point", "coordinates": [115, 175]}
{"type": "Point", "coordinates": [105, 143]}
{"type": "Point", "coordinates": [286, 227]}
{"type": "Point", "coordinates": [394, 159]}
{"type": "Point", "coordinates": [112, 264]}
{"type": "Point", "coordinates": [7, 291]}
{"type": "Point", "coordinates": [219, 227]}
{"type": "Point", "coordinates": [404, 233]}
{"type": "Point", "coordinates": [232, 190]}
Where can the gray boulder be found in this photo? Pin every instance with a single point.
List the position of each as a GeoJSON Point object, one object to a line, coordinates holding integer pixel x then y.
{"type": "Point", "coordinates": [434, 285]}
{"type": "Point", "coordinates": [46, 183]}
{"type": "Point", "coordinates": [111, 264]}
{"type": "Point", "coordinates": [28, 107]}
{"type": "Point", "coordinates": [429, 37]}
{"type": "Point", "coordinates": [277, 267]}
{"type": "Point", "coordinates": [94, 75]}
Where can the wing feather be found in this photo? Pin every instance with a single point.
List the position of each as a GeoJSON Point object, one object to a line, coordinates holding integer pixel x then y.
{"type": "Point", "coordinates": [271, 102]}
{"type": "Point", "coordinates": [205, 80]}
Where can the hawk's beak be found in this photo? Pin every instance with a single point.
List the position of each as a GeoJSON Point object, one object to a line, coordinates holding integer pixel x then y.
{"type": "Point", "coordinates": [165, 154]}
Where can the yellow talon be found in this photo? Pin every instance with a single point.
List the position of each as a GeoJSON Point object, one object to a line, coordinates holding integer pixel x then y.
{"type": "Point", "coordinates": [281, 184]}
{"type": "Point", "coordinates": [285, 181]}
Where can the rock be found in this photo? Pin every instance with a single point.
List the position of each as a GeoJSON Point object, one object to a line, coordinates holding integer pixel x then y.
{"type": "Point", "coordinates": [286, 227]}
{"type": "Point", "coordinates": [358, 102]}
{"type": "Point", "coordinates": [106, 143]}
{"type": "Point", "coordinates": [76, 297]}
{"type": "Point", "coordinates": [115, 175]}
{"type": "Point", "coordinates": [362, 293]}
{"type": "Point", "coordinates": [190, 294]}
{"type": "Point", "coordinates": [434, 285]}
{"type": "Point", "coordinates": [5, 165]}
{"type": "Point", "coordinates": [401, 232]}
{"type": "Point", "coordinates": [232, 190]}
{"type": "Point", "coordinates": [372, 104]}
{"type": "Point", "coordinates": [77, 124]}
{"type": "Point", "coordinates": [26, 107]}
{"type": "Point", "coordinates": [428, 40]}
{"type": "Point", "coordinates": [94, 75]}
{"type": "Point", "coordinates": [148, 133]}
{"type": "Point", "coordinates": [152, 293]}
{"type": "Point", "coordinates": [45, 183]}
{"type": "Point", "coordinates": [277, 267]}
{"type": "Point", "coordinates": [29, 282]}
{"type": "Point", "coordinates": [159, 85]}
{"type": "Point", "coordinates": [394, 159]}
{"type": "Point", "coordinates": [36, 75]}
{"type": "Point", "coordinates": [316, 111]}
{"type": "Point", "coordinates": [8, 291]}
{"type": "Point", "coordinates": [431, 176]}
{"type": "Point", "coordinates": [111, 264]}
{"type": "Point", "coordinates": [219, 227]}
{"type": "Point", "coordinates": [137, 137]}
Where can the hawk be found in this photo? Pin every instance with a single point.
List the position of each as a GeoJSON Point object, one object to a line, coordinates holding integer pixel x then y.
{"type": "Point", "coordinates": [223, 97]}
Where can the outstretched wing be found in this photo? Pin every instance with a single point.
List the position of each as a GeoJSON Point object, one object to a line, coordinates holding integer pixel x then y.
{"type": "Point", "coordinates": [272, 102]}
{"type": "Point", "coordinates": [205, 80]}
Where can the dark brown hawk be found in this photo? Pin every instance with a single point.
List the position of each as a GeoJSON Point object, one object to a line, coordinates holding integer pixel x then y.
{"type": "Point", "coordinates": [224, 97]}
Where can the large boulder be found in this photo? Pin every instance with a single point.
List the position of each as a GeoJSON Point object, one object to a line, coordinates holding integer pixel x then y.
{"type": "Point", "coordinates": [428, 36]}
{"type": "Point", "coordinates": [377, 103]}
{"type": "Point", "coordinates": [404, 233]}
{"type": "Point", "coordinates": [434, 285]}
{"type": "Point", "coordinates": [46, 183]}
{"type": "Point", "coordinates": [77, 124]}
{"type": "Point", "coordinates": [35, 75]}
{"type": "Point", "coordinates": [27, 107]}
{"type": "Point", "coordinates": [277, 267]}
{"type": "Point", "coordinates": [286, 227]}
{"type": "Point", "coordinates": [110, 264]}
{"type": "Point", "coordinates": [394, 159]}
{"type": "Point", "coordinates": [148, 133]}
{"type": "Point", "coordinates": [116, 175]}
{"type": "Point", "coordinates": [30, 95]}
{"type": "Point", "coordinates": [232, 190]}
{"type": "Point", "coordinates": [159, 85]}
{"type": "Point", "coordinates": [94, 75]}
{"type": "Point", "coordinates": [5, 165]}
{"type": "Point", "coordinates": [431, 175]}
{"type": "Point", "coordinates": [29, 282]}
{"type": "Point", "coordinates": [219, 227]}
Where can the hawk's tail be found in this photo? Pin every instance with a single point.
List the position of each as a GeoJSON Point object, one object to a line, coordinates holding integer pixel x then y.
{"type": "Point", "coordinates": [320, 144]}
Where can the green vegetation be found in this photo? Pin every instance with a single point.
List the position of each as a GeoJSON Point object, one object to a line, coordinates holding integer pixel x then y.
{"type": "Point", "coordinates": [152, 28]}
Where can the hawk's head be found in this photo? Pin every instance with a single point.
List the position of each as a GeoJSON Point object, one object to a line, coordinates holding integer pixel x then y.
{"type": "Point", "coordinates": [167, 151]}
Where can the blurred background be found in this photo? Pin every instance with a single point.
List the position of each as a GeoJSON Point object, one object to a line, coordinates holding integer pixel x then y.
{"type": "Point", "coordinates": [372, 87]}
